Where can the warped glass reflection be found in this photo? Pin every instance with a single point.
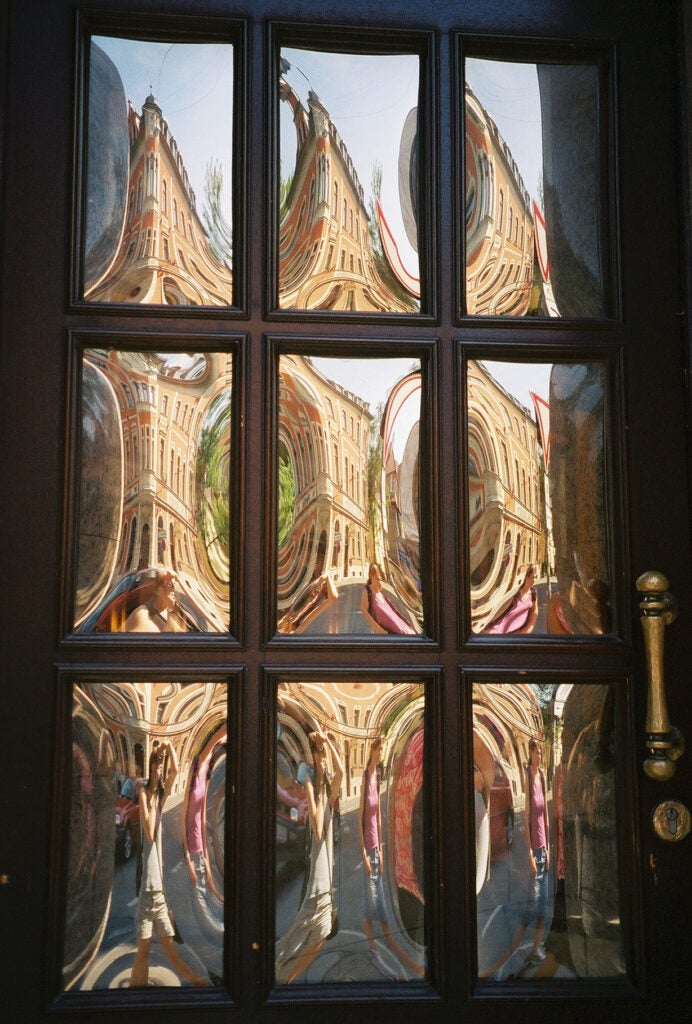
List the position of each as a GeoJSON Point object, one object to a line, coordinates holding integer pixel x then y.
{"type": "Point", "coordinates": [344, 246]}
{"type": "Point", "coordinates": [154, 526]}
{"type": "Point", "coordinates": [350, 827]}
{"type": "Point", "coordinates": [149, 160]}
{"type": "Point", "coordinates": [547, 882]}
{"type": "Point", "coordinates": [153, 749]}
{"type": "Point", "coordinates": [535, 245]}
{"type": "Point", "coordinates": [538, 542]}
{"type": "Point", "coordinates": [348, 496]}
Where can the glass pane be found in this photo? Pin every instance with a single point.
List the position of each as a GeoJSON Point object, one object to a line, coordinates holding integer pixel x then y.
{"type": "Point", "coordinates": [158, 220]}
{"type": "Point", "coordinates": [350, 826]}
{"type": "Point", "coordinates": [146, 835]}
{"type": "Point", "coordinates": [349, 501]}
{"type": "Point", "coordinates": [348, 238]}
{"type": "Point", "coordinates": [154, 515]}
{"type": "Point", "coordinates": [536, 465]}
{"type": "Point", "coordinates": [534, 237]}
{"type": "Point", "coordinates": [547, 884]}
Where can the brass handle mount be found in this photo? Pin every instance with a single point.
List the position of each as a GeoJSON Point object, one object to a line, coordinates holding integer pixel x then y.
{"type": "Point", "coordinates": [664, 742]}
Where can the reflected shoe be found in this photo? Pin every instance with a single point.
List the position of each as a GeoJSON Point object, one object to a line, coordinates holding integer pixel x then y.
{"type": "Point", "coordinates": [377, 961]}
{"type": "Point", "coordinates": [536, 956]}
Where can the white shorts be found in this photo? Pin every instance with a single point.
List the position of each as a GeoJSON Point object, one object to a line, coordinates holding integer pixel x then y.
{"type": "Point", "coordinates": [152, 915]}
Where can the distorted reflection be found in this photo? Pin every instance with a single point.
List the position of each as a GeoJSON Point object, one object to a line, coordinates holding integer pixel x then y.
{"type": "Point", "coordinates": [534, 243]}
{"type": "Point", "coordinates": [150, 159]}
{"type": "Point", "coordinates": [348, 118]}
{"type": "Point", "coordinates": [536, 463]}
{"type": "Point", "coordinates": [349, 502]}
{"type": "Point", "coordinates": [350, 902]}
{"type": "Point", "coordinates": [547, 882]}
{"type": "Point", "coordinates": [154, 526]}
{"type": "Point", "coordinates": [145, 879]}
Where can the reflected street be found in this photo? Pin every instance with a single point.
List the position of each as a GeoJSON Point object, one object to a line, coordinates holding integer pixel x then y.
{"type": "Point", "coordinates": [346, 956]}
{"type": "Point", "coordinates": [112, 967]}
{"type": "Point", "coordinates": [500, 906]}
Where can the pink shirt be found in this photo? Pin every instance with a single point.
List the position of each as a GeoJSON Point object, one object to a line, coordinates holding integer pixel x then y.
{"type": "Point", "coordinates": [536, 805]}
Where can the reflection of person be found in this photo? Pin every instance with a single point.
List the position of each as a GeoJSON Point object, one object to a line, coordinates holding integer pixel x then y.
{"type": "Point", "coordinates": [160, 614]}
{"type": "Point", "coordinates": [317, 597]}
{"type": "Point", "coordinates": [297, 949]}
{"type": "Point", "coordinates": [377, 610]}
{"type": "Point", "coordinates": [152, 909]}
{"type": "Point", "coordinates": [521, 615]}
{"type": "Point", "coordinates": [537, 832]}
{"type": "Point", "coordinates": [195, 843]}
{"type": "Point", "coordinates": [371, 848]}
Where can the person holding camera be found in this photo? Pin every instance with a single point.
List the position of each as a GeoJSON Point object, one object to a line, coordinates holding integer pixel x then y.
{"type": "Point", "coordinates": [153, 914]}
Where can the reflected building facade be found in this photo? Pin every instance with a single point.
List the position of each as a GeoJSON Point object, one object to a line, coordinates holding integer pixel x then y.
{"type": "Point", "coordinates": [326, 256]}
{"type": "Point", "coordinates": [171, 510]}
{"type": "Point", "coordinates": [499, 222]}
{"type": "Point", "coordinates": [164, 256]}
{"type": "Point", "coordinates": [348, 497]}
{"type": "Point", "coordinates": [507, 506]}
{"type": "Point", "coordinates": [324, 435]}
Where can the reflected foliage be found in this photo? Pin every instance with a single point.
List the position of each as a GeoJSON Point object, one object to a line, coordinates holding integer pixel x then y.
{"type": "Point", "coordinates": [538, 528]}
{"type": "Point", "coordinates": [348, 496]}
{"type": "Point", "coordinates": [374, 742]}
{"type": "Point", "coordinates": [154, 492]}
{"type": "Point", "coordinates": [577, 932]}
{"type": "Point", "coordinates": [115, 729]}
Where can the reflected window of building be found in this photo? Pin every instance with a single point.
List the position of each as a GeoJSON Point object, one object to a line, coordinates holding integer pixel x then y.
{"type": "Point", "coordinates": [156, 150]}
{"type": "Point", "coordinates": [138, 746]}
{"type": "Point", "coordinates": [532, 137]}
{"type": "Point", "coordinates": [352, 165]}
{"type": "Point", "coordinates": [123, 489]}
{"type": "Point", "coordinates": [372, 489]}
{"type": "Point", "coordinates": [548, 888]}
{"type": "Point", "coordinates": [551, 574]}
{"type": "Point", "coordinates": [350, 768]}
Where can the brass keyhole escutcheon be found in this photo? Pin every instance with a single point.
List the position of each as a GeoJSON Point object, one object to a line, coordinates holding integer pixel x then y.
{"type": "Point", "coordinates": [671, 821]}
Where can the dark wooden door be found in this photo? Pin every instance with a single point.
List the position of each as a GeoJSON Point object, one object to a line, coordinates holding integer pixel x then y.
{"type": "Point", "coordinates": [615, 185]}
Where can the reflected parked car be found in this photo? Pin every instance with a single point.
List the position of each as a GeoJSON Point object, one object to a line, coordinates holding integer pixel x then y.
{"type": "Point", "coordinates": [127, 818]}
{"type": "Point", "coordinates": [501, 813]}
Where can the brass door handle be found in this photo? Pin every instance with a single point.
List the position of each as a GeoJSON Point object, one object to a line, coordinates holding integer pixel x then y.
{"type": "Point", "coordinates": [664, 742]}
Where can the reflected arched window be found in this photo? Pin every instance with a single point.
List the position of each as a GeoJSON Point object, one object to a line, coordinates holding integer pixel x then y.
{"type": "Point", "coordinates": [500, 210]}
{"type": "Point", "coordinates": [509, 222]}
{"type": "Point", "coordinates": [164, 197]}
{"type": "Point", "coordinates": [335, 209]}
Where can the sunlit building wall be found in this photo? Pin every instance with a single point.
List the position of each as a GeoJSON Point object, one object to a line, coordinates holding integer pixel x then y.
{"type": "Point", "coordinates": [324, 432]}
{"type": "Point", "coordinates": [499, 225]}
{"type": "Point", "coordinates": [505, 497]}
{"type": "Point", "coordinates": [325, 254]}
{"type": "Point", "coordinates": [164, 257]}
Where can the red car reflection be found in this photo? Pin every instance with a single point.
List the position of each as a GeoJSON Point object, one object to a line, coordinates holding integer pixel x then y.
{"type": "Point", "coordinates": [127, 818]}
{"type": "Point", "coordinates": [501, 813]}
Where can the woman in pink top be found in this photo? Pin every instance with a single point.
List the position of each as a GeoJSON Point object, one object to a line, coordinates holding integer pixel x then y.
{"type": "Point", "coordinates": [377, 610]}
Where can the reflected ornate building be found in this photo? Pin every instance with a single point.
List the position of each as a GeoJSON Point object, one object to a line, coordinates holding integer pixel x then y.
{"type": "Point", "coordinates": [172, 416]}
{"type": "Point", "coordinates": [326, 257]}
{"type": "Point", "coordinates": [499, 222]}
{"type": "Point", "coordinates": [324, 434]}
{"type": "Point", "coordinates": [507, 506]}
{"type": "Point", "coordinates": [163, 256]}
